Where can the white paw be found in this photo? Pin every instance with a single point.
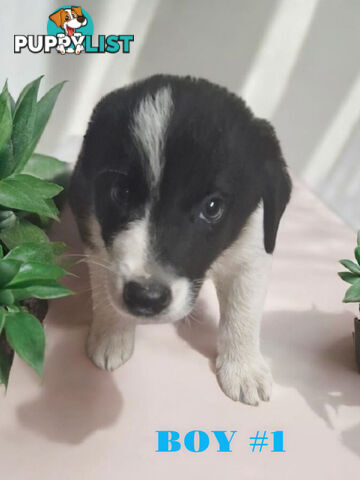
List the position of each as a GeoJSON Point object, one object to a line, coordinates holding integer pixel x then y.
{"type": "Point", "coordinates": [109, 350]}
{"type": "Point", "coordinates": [248, 382]}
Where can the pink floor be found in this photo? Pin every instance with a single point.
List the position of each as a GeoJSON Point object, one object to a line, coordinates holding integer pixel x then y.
{"type": "Point", "coordinates": [83, 423]}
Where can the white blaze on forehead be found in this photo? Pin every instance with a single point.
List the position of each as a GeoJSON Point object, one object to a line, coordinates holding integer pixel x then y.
{"type": "Point", "coordinates": [150, 122]}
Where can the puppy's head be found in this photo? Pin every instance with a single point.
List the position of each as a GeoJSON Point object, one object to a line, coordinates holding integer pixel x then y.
{"type": "Point", "coordinates": [170, 170]}
{"type": "Point", "coordinates": [69, 19]}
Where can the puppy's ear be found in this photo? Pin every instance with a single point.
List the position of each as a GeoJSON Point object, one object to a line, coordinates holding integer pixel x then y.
{"type": "Point", "coordinates": [56, 17]}
{"type": "Point", "coordinates": [276, 196]}
{"type": "Point", "coordinates": [78, 11]}
{"type": "Point", "coordinates": [276, 182]}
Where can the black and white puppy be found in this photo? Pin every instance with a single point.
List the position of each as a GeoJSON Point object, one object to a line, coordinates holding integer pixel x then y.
{"type": "Point", "coordinates": [178, 181]}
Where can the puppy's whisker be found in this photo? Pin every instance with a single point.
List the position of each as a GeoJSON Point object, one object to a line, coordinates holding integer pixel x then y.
{"type": "Point", "coordinates": [82, 292]}
{"type": "Point", "coordinates": [105, 305]}
{"type": "Point", "coordinates": [84, 256]}
{"type": "Point", "coordinates": [191, 318]}
{"type": "Point", "coordinates": [99, 290]}
{"type": "Point", "coordinates": [106, 267]}
{"type": "Point", "coordinates": [187, 321]}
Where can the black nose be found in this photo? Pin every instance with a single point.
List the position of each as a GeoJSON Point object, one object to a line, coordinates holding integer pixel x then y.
{"type": "Point", "coordinates": [146, 299]}
{"type": "Point", "coordinates": [81, 19]}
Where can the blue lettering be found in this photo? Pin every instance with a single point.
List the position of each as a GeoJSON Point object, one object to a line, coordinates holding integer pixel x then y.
{"type": "Point", "coordinates": [168, 441]}
{"type": "Point", "coordinates": [224, 443]}
{"type": "Point", "coordinates": [203, 441]}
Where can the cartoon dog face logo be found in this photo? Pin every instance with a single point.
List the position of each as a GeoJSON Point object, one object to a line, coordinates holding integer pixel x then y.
{"type": "Point", "coordinates": [69, 19]}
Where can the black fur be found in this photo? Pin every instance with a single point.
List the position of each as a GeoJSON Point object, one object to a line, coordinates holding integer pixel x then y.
{"type": "Point", "coordinates": [214, 145]}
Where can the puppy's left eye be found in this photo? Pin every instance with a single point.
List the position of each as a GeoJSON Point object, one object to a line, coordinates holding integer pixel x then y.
{"type": "Point", "coordinates": [74, 15]}
{"type": "Point", "coordinates": [212, 209]}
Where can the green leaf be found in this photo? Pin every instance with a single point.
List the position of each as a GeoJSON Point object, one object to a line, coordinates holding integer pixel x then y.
{"type": "Point", "coordinates": [11, 100]}
{"type": "Point", "coordinates": [8, 270]}
{"type": "Point", "coordinates": [12, 103]}
{"type": "Point", "coordinates": [24, 123]}
{"type": "Point", "coordinates": [357, 254]}
{"type": "Point", "coordinates": [25, 334]}
{"type": "Point", "coordinates": [47, 291]}
{"type": "Point", "coordinates": [353, 294]}
{"type": "Point", "coordinates": [44, 108]}
{"type": "Point", "coordinates": [7, 161]}
{"type": "Point", "coordinates": [42, 114]}
{"type": "Point", "coordinates": [31, 273]}
{"type": "Point", "coordinates": [25, 92]}
{"type": "Point", "coordinates": [7, 219]}
{"type": "Point", "coordinates": [6, 359]}
{"type": "Point", "coordinates": [45, 167]}
{"type": "Point", "coordinates": [349, 277]}
{"type": "Point", "coordinates": [21, 232]}
{"type": "Point", "coordinates": [6, 297]}
{"type": "Point", "coordinates": [35, 252]}
{"type": "Point", "coordinates": [19, 194]}
{"type": "Point", "coordinates": [5, 117]}
{"type": "Point", "coordinates": [6, 147]}
{"type": "Point", "coordinates": [52, 208]}
{"type": "Point", "coordinates": [42, 188]}
{"type": "Point", "coordinates": [1, 251]}
{"type": "Point", "coordinates": [351, 266]}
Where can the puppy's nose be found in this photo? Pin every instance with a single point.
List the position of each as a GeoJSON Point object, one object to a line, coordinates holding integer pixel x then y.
{"type": "Point", "coordinates": [146, 299]}
{"type": "Point", "coordinates": [81, 19]}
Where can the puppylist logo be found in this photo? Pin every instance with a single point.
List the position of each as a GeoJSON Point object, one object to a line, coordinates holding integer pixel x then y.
{"type": "Point", "coordinates": [70, 30]}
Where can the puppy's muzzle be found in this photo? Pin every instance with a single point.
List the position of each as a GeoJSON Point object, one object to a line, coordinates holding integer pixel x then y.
{"type": "Point", "coordinates": [81, 19]}
{"type": "Point", "coordinates": [147, 298]}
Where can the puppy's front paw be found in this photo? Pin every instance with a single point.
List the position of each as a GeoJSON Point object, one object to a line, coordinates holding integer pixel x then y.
{"type": "Point", "coordinates": [109, 350]}
{"type": "Point", "coordinates": [248, 382]}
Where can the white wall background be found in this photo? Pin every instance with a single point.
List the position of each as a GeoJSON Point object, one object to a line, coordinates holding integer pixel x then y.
{"type": "Point", "coordinates": [296, 62]}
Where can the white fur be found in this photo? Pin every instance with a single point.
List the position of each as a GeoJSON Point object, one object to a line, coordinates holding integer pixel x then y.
{"type": "Point", "coordinates": [241, 276]}
{"type": "Point", "coordinates": [149, 127]}
{"type": "Point", "coordinates": [110, 341]}
{"type": "Point", "coordinates": [111, 337]}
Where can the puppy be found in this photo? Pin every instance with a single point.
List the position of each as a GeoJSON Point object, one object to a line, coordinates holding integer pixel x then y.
{"type": "Point", "coordinates": [177, 181]}
{"type": "Point", "coordinates": [69, 19]}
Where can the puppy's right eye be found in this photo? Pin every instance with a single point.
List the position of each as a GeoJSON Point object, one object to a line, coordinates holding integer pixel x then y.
{"type": "Point", "coordinates": [67, 17]}
{"type": "Point", "coordinates": [113, 186]}
{"type": "Point", "coordinates": [119, 194]}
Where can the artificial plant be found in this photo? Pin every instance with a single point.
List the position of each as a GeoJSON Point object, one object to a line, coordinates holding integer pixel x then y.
{"type": "Point", "coordinates": [352, 275]}
{"type": "Point", "coordinates": [352, 295]}
{"type": "Point", "coordinates": [29, 262]}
